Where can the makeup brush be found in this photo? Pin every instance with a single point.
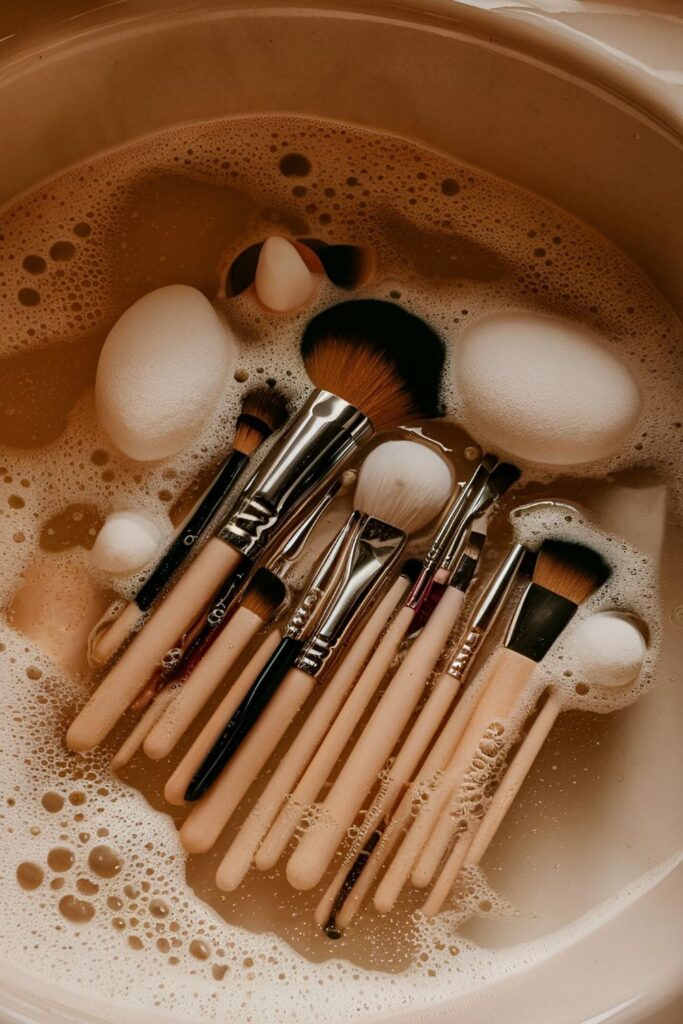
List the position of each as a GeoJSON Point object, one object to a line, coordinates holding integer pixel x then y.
{"type": "Point", "coordinates": [412, 500]}
{"type": "Point", "coordinates": [218, 618]}
{"type": "Point", "coordinates": [565, 575]}
{"type": "Point", "coordinates": [263, 412]}
{"type": "Point", "coordinates": [264, 595]}
{"type": "Point", "coordinates": [246, 843]}
{"type": "Point", "coordinates": [387, 365]}
{"type": "Point", "coordinates": [361, 865]}
{"type": "Point", "coordinates": [389, 481]}
{"type": "Point", "coordinates": [391, 715]}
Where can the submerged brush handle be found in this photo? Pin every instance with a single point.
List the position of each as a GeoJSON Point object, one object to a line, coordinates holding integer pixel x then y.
{"type": "Point", "coordinates": [324, 433]}
{"type": "Point", "coordinates": [506, 679]}
{"type": "Point", "coordinates": [138, 662]}
{"type": "Point", "coordinates": [246, 844]}
{"type": "Point", "coordinates": [194, 529]}
{"type": "Point", "coordinates": [375, 744]}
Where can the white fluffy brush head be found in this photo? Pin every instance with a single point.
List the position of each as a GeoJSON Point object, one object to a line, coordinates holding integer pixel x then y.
{"type": "Point", "coordinates": [403, 483]}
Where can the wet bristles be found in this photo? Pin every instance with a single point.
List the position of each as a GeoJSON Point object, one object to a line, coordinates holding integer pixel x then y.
{"type": "Point", "coordinates": [264, 410]}
{"type": "Point", "coordinates": [403, 483]}
{"type": "Point", "coordinates": [265, 594]}
{"type": "Point", "coordinates": [571, 570]}
{"type": "Point", "coordinates": [379, 358]}
{"type": "Point", "coordinates": [364, 377]}
{"type": "Point", "coordinates": [411, 569]}
{"type": "Point", "coordinates": [503, 477]}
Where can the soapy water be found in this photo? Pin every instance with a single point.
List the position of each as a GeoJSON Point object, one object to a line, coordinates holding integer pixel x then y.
{"type": "Point", "coordinates": [451, 245]}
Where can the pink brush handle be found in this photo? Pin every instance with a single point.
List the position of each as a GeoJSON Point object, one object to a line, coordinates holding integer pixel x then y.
{"type": "Point", "coordinates": [169, 621]}
{"type": "Point", "coordinates": [177, 785]}
{"type": "Point", "coordinates": [375, 744]}
{"type": "Point", "coordinates": [262, 815]}
{"type": "Point", "coordinates": [201, 683]}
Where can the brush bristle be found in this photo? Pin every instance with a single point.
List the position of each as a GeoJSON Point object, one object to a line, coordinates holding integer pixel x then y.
{"type": "Point", "coordinates": [503, 477]}
{"type": "Point", "coordinates": [264, 410]}
{"type": "Point", "coordinates": [411, 569]}
{"type": "Point", "coordinates": [572, 570]}
{"type": "Point", "coordinates": [377, 357]}
{"type": "Point", "coordinates": [264, 595]}
{"type": "Point", "coordinates": [403, 483]}
{"type": "Point", "coordinates": [365, 378]}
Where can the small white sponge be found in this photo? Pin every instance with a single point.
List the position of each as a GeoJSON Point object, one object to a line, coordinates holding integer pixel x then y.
{"type": "Point", "coordinates": [543, 390]}
{"type": "Point", "coordinates": [283, 282]}
{"type": "Point", "coordinates": [607, 649]}
{"type": "Point", "coordinates": [161, 371]}
{"type": "Point", "coordinates": [126, 542]}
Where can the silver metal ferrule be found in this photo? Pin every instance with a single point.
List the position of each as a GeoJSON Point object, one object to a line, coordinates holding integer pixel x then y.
{"type": "Point", "coordinates": [373, 551]}
{"type": "Point", "coordinates": [485, 613]}
{"type": "Point", "coordinates": [325, 432]}
{"type": "Point", "coordinates": [294, 542]}
{"type": "Point", "coordinates": [480, 501]}
{"type": "Point", "coordinates": [325, 576]}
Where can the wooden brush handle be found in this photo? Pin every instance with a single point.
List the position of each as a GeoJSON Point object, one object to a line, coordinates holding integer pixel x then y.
{"type": "Point", "coordinates": [196, 690]}
{"type": "Point", "coordinates": [212, 813]}
{"type": "Point", "coordinates": [436, 760]}
{"type": "Point", "coordinates": [147, 721]}
{"type": "Point", "coordinates": [246, 843]}
{"type": "Point", "coordinates": [177, 785]}
{"type": "Point", "coordinates": [506, 676]}
{"type": "Point", "coordinates": [470, 847]}
{"type": "Point", "coordinates": [513, 779]}
{"type": "Point", "coordinates": [105, 645]}
{"type": "Point", "coordinates": [359, 773]}
{"type": "Point", "coordinates": [327, 754]}
{"type": "Point", "coordinates": [171, 618]}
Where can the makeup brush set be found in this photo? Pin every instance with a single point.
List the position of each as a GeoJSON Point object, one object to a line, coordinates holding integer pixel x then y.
{"type": "Point", "coordinates": [400, 743]}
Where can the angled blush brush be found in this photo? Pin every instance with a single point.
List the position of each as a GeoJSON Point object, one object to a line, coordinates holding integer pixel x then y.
{"type": "Point", "coordinates": [263, 412]}
{"type": "Point", "coordinates": [565, 575]}
{"type": "Point", "coordinates": [387, 365]}
{"type": "Point", "coordinates": [410, 498]}
{"type": "Point", "coordinates": [361, 865]}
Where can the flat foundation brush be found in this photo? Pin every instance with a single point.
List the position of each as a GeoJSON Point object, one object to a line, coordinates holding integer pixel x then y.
{"type": "Point", "coordinates": [398, 494]}
{"type": "Point", "coordinates": [374, 366]}
{"type": "Point", "coordinates": [263, 412]}
{"type": "Point", "coordinates": [565, 575]}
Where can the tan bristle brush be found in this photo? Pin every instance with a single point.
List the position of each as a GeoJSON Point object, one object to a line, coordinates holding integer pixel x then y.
{"type": "Point", "coordinates": [263, 412]}
{"type": "Point", "coordinates": [252, 832]}
{"type": "Point", "coordinates": [348, 889]}
{"type": "Point", "coordinates": [401, 487]}
{"type": "Point", "coordinates": [617, 671]}
{"type": "Point", "coordinates": [565, 575]}
{"type": "Point", "coordinates": [387, 365]}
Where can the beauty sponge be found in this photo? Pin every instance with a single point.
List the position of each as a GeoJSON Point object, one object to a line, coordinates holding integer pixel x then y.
{"type": "Point", "coordinates": [544, 390]}
{"type": "Point", "coordinates": [161, 372]}
{"type": "Point", "coordinates": [607, 649]}
{"type": "Point", "coordinates": [127, 541]}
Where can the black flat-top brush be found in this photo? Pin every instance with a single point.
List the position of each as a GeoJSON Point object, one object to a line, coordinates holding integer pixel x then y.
{"type": "Point", "coordinates": [263, 412]}
{"type": "Point", "coordinates": [565, 575]}
{"type": "Point", "coordinates": [374, 367]}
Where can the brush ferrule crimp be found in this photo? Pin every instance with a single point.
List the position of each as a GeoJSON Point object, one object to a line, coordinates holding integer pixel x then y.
{"type": "Point", "coordinates": [323, 434]}
{"type": "Point", "coordinates": [367, 558]}
{"type": "Point", "coordinates": [468, 648]}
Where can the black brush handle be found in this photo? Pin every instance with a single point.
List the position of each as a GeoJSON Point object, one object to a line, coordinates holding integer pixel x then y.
{"type": "Point", "coordinates": [191, 532]}
{"type": "Point", "coordinates": [245, 716]}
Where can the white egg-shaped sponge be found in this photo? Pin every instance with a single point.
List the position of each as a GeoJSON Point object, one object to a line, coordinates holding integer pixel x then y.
{"type": "Point", "coordinates": [161, 372]}
{"type": "Point", "coordinates": [282, 282]}
{"type": "Point", "coordinates": [544, 390]}
{"type": "Point", "coordinates": [127, 541]}
{"type": "Point", "coordinates": [607, 649]}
